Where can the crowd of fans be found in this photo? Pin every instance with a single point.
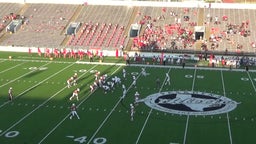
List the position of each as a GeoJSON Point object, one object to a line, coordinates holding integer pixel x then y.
{"type": "Point", "coordinates": [178, 32]}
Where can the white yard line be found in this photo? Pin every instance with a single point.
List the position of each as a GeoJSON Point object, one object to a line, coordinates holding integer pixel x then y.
{"type": "Point", "coordinates": [36, 85]}
{"type": "Point", "coordinates": [149, 114]}
{"type": "Point", "coordinates": [12, 67]}
{"type": "Point", "coordinates": [110, 113]}
{"type": "Point", "coordinates": [22, 76]}
{"type": "Point", "coordinates": [50, 132]}
{"type": "Point", "coordinates": [187, 122]}
{"type": "Point", "coordinates": [28, 114]}
{"type": "Point", "coordinates": [251, 81]}
{"type": "Point", "coordinates": [2, 61]}
{"type": "Point", "coordinates": [224, 93]}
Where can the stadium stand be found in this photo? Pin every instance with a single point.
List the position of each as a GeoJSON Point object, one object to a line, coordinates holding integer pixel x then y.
{"type": "Point", "coordinates": [169, 28]}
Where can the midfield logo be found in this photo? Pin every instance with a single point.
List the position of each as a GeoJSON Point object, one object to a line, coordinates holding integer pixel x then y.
{"type": "Point", "coordinates": [190, 103]}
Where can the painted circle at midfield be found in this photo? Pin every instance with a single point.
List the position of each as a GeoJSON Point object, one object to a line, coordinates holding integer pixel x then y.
{"type": "Point", "coordinates": [190, 103]}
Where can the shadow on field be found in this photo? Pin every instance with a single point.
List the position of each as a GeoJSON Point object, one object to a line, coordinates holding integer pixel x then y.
{"type": "Point", "coordinates": [33, 73]}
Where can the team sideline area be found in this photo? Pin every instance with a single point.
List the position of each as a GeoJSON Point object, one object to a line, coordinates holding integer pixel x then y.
{"type": "Point", "coordinates": [119, 103]}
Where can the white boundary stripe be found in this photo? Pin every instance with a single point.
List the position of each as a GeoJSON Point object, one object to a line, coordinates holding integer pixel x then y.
{"type": "Point", "coordinates": [228, 122]}
{"type": "Point", "coordinates": [12, 67]}
{"type": "Point", "coordinates": [110, 113]}
{"type": "Point", "coordinates": [138, 65]}
{"type": "Point", "coordinates": [38, 105]}
{"type": "Point", "coordinates": [50, 132]}
{"type": "Point", "coordinates": [187, 122]}
{"type": "Point", "coordinates": [22, 76]}
{"type": "Point", "coordinates": [149, 114]}
{"type": "Point", "coordinates": [36, 85]}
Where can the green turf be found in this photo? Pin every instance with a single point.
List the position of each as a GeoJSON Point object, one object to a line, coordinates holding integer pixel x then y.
{"type": "Point", "coordinates": [40, 111]}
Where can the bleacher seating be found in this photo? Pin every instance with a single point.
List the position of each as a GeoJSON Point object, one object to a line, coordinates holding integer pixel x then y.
{"type": "Point", "coordinates": [105, 27]}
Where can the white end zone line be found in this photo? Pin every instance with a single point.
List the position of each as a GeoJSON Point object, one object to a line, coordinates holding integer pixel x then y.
{"type": "Point", "coordinates": [149, 114]}
{"type": "Point", "coordinates": [50, 132]}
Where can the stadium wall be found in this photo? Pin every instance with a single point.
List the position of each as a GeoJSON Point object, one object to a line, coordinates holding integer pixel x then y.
{"type": "Point", "coordinates": [122, 3]}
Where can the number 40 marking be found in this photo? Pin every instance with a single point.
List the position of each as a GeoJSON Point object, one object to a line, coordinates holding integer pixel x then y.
{"type": "Point", "coordinates": [83, 139]}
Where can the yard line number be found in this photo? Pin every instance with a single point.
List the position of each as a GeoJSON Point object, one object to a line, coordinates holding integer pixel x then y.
{"type": "Point", "coordinates": [191, 76]}
{"type": "Point", "coordinates": [83, 139]}
{"type": "Point", "coordinates": [11, 134]}
{"type": "Point", "coordinates": [246, 79]}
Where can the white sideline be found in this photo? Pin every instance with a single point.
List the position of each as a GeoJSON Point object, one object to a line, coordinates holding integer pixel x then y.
{"type": "Point", "coordinates": [143, 65]}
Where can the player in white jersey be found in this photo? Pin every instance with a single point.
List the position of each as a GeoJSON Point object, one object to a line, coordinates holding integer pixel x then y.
{"type": "Point", "coordinates": [116, 80]}
{"type": "Point", "coordinates": [75, 94]}
{"type": "Point", "coordinates": [73, 111]}
{"type": "Point", "coordinates": [10, 93]}
{"type": "Point", "coordinates": [134, 83]}
{"type": "Point", "coordinates": [124, 73]}
{"type": "Point", "coordinates": [132, 111]}
{"type": "Point", "coordinates": [97, 75]}
{"type": "Point", "coordinates": [92, 88]}
{"type": "Point", "coordinates": [75, 79]}
{"type": "Point", "coordinates": [136, 97]}
{"type": "Point", "coordinates": [167, 79]}
{"type": "Point", "coordinates": [124, 90]}
{"type": "Point", "coordinates": [106, 88]}
{"type": "Point", "coordinates": [111, 84]}
{"type": "Point", "coordinates": [143, 72]}
{"type": "Point", "coordinates": [69, 82]}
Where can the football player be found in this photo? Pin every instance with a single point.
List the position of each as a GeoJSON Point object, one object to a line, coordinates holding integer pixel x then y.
{"type": "Point", "coordinates": [92, 88]}
{"type": "Point", "coordinates": [75, 94]}
{"type": "Point", "coordinates": [69, 82]}
{"type": "Point", "coordinates": [136, 97]}
{"type": "Point", "coordinates": [143, 72]}
{"type": "Point", "coordinates": [124, 73]}
{"type": "Point", "coordinates": [106, 88]}
{"type": "Point", "coordinates": [132, 111]}
{"type": "Point", "coordinates": [75, 79]}
{"type": "Point", "coordinates": [167, 79]}
{"type": "Point", "coordinates": [73, 111]}
{"type": "Point", "coordinates": [10, 94]}
{"type": "Point", "coordinates": [124, 91]}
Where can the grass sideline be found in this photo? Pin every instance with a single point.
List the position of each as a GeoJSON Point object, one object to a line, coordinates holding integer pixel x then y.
{"type": "Point", "coordinates": [40, 110]}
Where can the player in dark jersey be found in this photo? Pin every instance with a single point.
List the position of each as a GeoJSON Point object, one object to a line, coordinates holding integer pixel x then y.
{"type": "Point", "coordinates": [73, 111]}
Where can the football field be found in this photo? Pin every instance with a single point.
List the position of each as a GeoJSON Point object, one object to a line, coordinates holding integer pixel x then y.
{"type": "Point", "coordinates": [200, 106]}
